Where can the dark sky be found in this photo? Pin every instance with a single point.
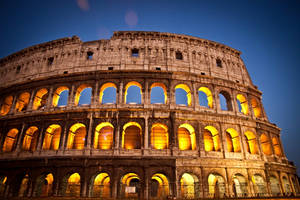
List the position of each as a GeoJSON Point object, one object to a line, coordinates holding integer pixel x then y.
{"type": "Point", "coordinates": [267, 33]}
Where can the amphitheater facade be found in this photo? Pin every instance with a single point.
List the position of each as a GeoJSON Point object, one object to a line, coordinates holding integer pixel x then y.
{"type": "Point", "coordinates": [218, 142]}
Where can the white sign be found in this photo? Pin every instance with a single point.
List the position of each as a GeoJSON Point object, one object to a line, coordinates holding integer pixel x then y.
{"type": "Point", "coordinates": [130, 189]}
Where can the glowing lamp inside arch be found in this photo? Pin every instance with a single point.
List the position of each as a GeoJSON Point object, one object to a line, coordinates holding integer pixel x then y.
{"type": "Point", "coordinates": [103, 138]}
{"type": "Point", "coordinates": [186, 137]}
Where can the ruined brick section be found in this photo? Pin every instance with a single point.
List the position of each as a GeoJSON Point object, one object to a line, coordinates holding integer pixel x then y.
{"type": "Point", "coordinates": [147, 150]}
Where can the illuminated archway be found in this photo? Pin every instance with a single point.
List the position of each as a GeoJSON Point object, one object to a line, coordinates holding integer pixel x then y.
{"type": "Point", "coordinates": [161, 93]}
{"type": "Point", "coordinates": [189, 186]}
{"type": "Point", "coordinates": [186, 137]}
{"type": "Point", "coordinates": [216, 185]}
{"type": "Point", "coordinates": [276, 146]}
{"type": "Point", "coordinates": [188, 93]}
{"type": "Point", "coordinates": [208, 97]}
{"type": "Point", "coordinates": [259, 185]}
{"type": "Point", "coordinates": [265, 144]}
{"type": "Point", "coordinates": [286, 185]}
{"type": "Point", "coordinates": [159, 136]}
{"type": "Point", "coordinates": [3, 180]}
{"type": "Point", "coordinates": [100, 186]}
{"type": "Point", "coordinates": [73, 185]}
{"type": "Point", "coordinates": [6, 105]}
{"type": "Point", "coordinates": [104, 135]}
{"type": "Point", "coordinates": [52, 137]}
{"type": "Point", "coordinates": [225, 101]}
{"type": "Point", "coordinates": [239, 185]}
{"type": "Point", "coordinates": [275, 186]}
{"type": "Point", "coordinates": [40, 99]}
{"type": "Point", "coordinates": [256, 107]}
{"type": "Point", "coordinates": [159, 186]}
{"type": "Point", "coordinates": [43, 186]}
{"type": "Point", "coordinates": [296, 188]}
{"type": "Point", "coordinates": [211, 139]}
{"type": "Point", "coordinates": [132, 136]}
{"type": "Point", "coordinates": [131, 181]}
{"type": "Point", "coordinates": [233, 140]}
{"type": "Point", "coordinates": [83, 95]}
{"type": "Point", "coordinates": [24, 186]}
{"type": "Point", "coordinates": [138, 97]}
{"type": "Point", "coordinates": [106, 93]}
{"type": "Point", "coordinates": [243, 104]}
{"type": "Point", "coordinates": [30, 139]}
{"type": "Point", "coordinates": [76, 136]}
{"type": "Point", "coordinates": [251, 143]}
{"type": "Point", "coordinates": [22, 101]}
{"type": "Point", "coordinates": [10, 140]}
{"type": "Point", "coordinates": [58, 95]}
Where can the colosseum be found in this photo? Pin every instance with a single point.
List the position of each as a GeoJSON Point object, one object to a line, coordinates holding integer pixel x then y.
{"type": "Point", "coordinates": [142, 115]}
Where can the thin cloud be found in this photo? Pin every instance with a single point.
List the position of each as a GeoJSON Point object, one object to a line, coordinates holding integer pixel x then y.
{"type": "Point", "coordinates": [83, 5]}
{"type": "Point", "coordinates": [131, 18]}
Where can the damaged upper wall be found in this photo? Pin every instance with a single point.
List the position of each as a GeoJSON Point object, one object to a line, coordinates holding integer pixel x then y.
{"type": "Point", "coordinates": [126, 50]}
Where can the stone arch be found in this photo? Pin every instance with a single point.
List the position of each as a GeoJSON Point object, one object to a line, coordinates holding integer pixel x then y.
{"type": "Point", "coordinates": [275, 186]}
{"type": "Point", "coordinates": [276, 146]}
{"type": "Point", "coordinates": [40, 99]}
{"type": "Point", "coordinates": [286, 184]}
{"type": "Point", "coordinates": [233, 140]}
{"type": "Point", "coordinates": [70, 185]}
{"type": "Point", "coordinates": [6, 105]}
{"type": "Point", "coordinates": [23, 185]}
{"type": "Point", "coordinates": [159, 136]}
{"type": "Point", "coordinates": [10, 140]}
{"type": "Point", "coordinates": [251, 143]}
{"type": "Point", "coordinates": [104, 136]}
{"type": "Point", "coordinates": [239, 185]}
{"type": "Point", "coordinates": [58, 94]}
{"type": "Point", "coordinates": [208, 97]}
{"type": "Point", "coordinates": [216, 185]}
{"type": "Point", "coordinates": [265, 144]}
{"type": "Point", "coordinates": [132, 181]}
{"type": "Point", "coordinates": [52, 137]}
{"type": "Point", "coordinates": [76, 136]}
{"type": "Point", "coordinates": [159, 186]}
{"type": "Point", "coordinates": [44, 185]}
{"type": "Point", "coordinates": [103, 90]}
{"type": "Point", "coordinates": [187, 90]}
{"type": "Point", "coordinates": [295, 186]}
{"type": "Point", "coordinates": [30, 139]}
{"type": "Point", "coordinates": [163, 88]}
{"type": "Point", "coordinates": [22, 101]}
{"type": "Point", "coordinates": [242, 104]}
{"type": "Point", "coordinates": [259, 185]}
{"type": "Point", "coordinates": [83, 93]}
{"type": "Point", "coordinates": [130, 84]}
{"type": "Point", "coordinates": [225, 100]}
{"type": "Point", "coordinates": [100, 185]}
{"type": "Point", "coordinates": [189, 186]}
{"type": "Point", "coordinates": [132, 136]}
{"type": "Point", "coordinates": [186, 137]}
{"type": "Point", "coordinates": [256, 107]}
{"type": "Point", "coordinates": [211, 139]}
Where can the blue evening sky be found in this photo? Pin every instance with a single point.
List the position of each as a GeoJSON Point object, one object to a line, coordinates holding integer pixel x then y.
{"type": "Point", "coordinates": [266, 32]}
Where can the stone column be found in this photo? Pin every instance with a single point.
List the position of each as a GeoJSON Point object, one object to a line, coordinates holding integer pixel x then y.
{"type": "Point", "coordinates": [83, 184]}
{"type": "Point", "coordinates": [223, 139]}
{"type": "Point", "coordinates": [50, 97]}
{"type": "Point", "coordinates": [250, 184]}
{"type": "Point", "coordinates": [30, 104]}
{"type": "Point", "coordinates": [71, 99]}
{"type": "Point", "coordinates": [146, 136]}
{"type": "Point", "coordinates": [13, 105]}
{"type": "Point", "coordinates": [40, 138]}
{"type": "Point", "coordinates": [195, 100]}
{"type": "Point", "coordinates": [89, 133]}
{"type": "Point", "coordinates": [95, 102]}
{"type": "Point", "coordinates": [146, 184]}
{"type": "Point", "coordinates": [242, 141]}
{"type": "Point", "coordinates": [63, 137]}
{"type": "Point", "coordinates": [147, 95]}
{"type": "Point", "coordinates": [121, 98]}
{"type": "Point", "coordinates": [20, 137]}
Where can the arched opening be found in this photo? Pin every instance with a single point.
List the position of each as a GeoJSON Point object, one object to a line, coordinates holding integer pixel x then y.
{"type": "Point", "coordinates": [183, 95]}
{"type": "Point", "coordinates": [189, 186]}
{"type": "Point", "coordinates": [275, 186]}
{"type": "Point", "coordinates": [22, 101]}
{"type": "Point", "coordinates": [60, 96]}
{"type": "Point", "coordinates": [52, 137]}
{"type": "Point", "coordinates": [132, 136]}
{"type": "Point", "coordinates": [104, 135]}
{"type": "Point", "coordinates": [239, 185]}
{"type": "Point", "coordinates": [233, 140]}
{"type": "Point", "coordinates": [40, 99]}
{"type": "Point", "coordinates": [225, 101]}
{"type": "Point", "coordinates": [73, 185]}
{"type": "Point", "coordinates": [3, 180]}
{"type": "Point", "coordinates": [205, 97]}
{"type": "Point", "coordinates": [130, 186]}
{"type": "Point", "coordinates": [6, 105]}
{"type": "Point", "coordinates": [286, 185]}
{"type": "Point", "coordinates": [43, 186]}
{"type": "Point", "coordinates": [276, 146]}
{"type": "Point", "coordinates": [133, 93]}
{"type": "Point", "coordinates": [216, 185]}
{"type": "Point", "coordinates": [158, 93]}
{"type": "Point", "coordinates": [10, 140]}
{"type": "Point", "coordinates": [296, 189]}
{"type": "Point", "coordinates": [242, 104]}
{"type": "Point", "coordinates": [76, 136]}
{"type": "Point", "coordinates": [83, 95]}
{"type": "Point", "coordinates": [265, 144]}
{"type": "Point", "coordinates": [159, 186]}
{"type": "Point", "coordinates": [256, 107]}
{"type": "Point", "coordinates": [186, 137]}
{"type": "Point", "coordinates": [251, 143]}
{"type": "Point", "coordinates": [211, 139]}
{"type": "Point", "coordinates": [30, 139]}
{"type": "Point", "coordinates": [108, 93]}
{"type": "Point", "coordinates": [24, 186]}
{"type": "Point", "coordinates": [159, 136]}
{"type": "Point", "coordinates": [259, 185]}
{"type": "Point", "coordinates": [101, 186]}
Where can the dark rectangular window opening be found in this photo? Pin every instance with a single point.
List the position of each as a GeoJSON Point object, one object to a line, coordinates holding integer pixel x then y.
{"type": "Point", "coordinates": [110, 68]}
{"type": "Point", "coordinates": [18, 69]}
{"type": "Point", "coordinates": [202, 73]}
{"type": "Point", "coordinates": [179, 55]}
{"type": "Point", "coordinates": [237, 81]}
{"type": "Point", "coordinates": [135, 53]}
{"type": "Point", "coordinates": [89, 55]}
{"type": "Point", "coordinates": [158, 68]}
{"type": "Point", "coordinates": [65, 72]}
{"type": "Point", "coordinates": [50, 61]}
{"type": "Point", "coordinates": [219, 63]}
